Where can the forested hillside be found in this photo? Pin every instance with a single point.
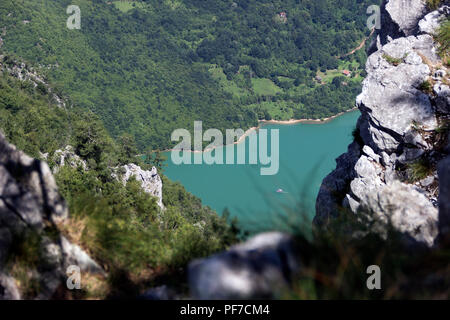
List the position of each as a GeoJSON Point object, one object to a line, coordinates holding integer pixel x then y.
{"type": "Point", "coordinates": [120, 226]}
{"type": "Point", "coordinates": [148, 67]}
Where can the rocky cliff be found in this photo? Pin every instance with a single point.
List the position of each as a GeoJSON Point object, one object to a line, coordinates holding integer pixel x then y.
{"type": "Point", "coordinates": [389, 172]}
{"type": "Point", "coordinates": [26, 73]}
{"type": "Point", "coordinates": [397, 171]}
{"type": "Point", "coordinates": [150, 180]}
{"type": "Point", "coordinates": [34, 256]}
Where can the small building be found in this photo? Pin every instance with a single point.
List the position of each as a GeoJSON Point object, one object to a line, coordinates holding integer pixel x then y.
{"type": "Point", "coordinates": [283, 16]}
{"type": "Point", "coordinates": [346, 73]}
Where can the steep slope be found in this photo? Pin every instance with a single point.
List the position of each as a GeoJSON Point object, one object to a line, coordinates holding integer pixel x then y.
{"type": "Point", "coordinates": [156, 66]}
{"type": "Point", "coordinates": [134, 225]}
{"type": "Point", "coordinates": [34, 256]}
{"type": "Point", "coordinates": [392, 185]}
{"type": "Point", "coordinates": [389, 173]}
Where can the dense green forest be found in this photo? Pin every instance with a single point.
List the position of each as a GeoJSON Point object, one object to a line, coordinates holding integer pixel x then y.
{"type": "Point", "coordinates": [120, 226]}
{"type": "Point", "coordinates": [149, 67]}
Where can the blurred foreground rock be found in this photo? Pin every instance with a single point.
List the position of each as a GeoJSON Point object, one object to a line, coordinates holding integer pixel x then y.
{"type": "Point", "coordinates": [260, 268]}
{"type": "Point", "coordinates": [30, 208]}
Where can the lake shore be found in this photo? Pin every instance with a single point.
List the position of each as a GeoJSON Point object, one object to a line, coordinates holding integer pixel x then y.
{"type": "Point", "coordinates": [267, 122]}
{"type": "Point", "coordinates": [308, 121]}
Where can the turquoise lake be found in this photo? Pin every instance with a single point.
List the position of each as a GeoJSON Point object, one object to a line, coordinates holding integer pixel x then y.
{"type": "Point", "coordinates": [307, 153]}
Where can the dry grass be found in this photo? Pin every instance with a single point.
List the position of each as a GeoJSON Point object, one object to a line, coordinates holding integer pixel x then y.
{"type": "Point", "coordinates": [436, 66]}
{"type": "Point", "coordinates": [73, 229]}
{"type": "Point", "coordinates": [443, 38]}
{"type": "Point", "coordinates": [433, 4]}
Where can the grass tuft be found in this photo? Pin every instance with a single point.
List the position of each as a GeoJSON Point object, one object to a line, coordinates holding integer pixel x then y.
{"type": "Point", "coordinates": [426, 87]}
{"type": "Point", "coordinates": [443, 38]}
{"type": "Point", "coordinates": [419, 169]}
{"type": "Point", "coordinates": [392, 60]}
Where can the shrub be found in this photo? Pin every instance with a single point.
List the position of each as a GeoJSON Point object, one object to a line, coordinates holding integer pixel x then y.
{"type": "Point", "coordinates": [335, 260]}
{"type": "Point", "coordinates": [434, 4]}
{"type": "Point", "coordinates": [392, 60]}
{"type": "Point", "coordinates": [426, 87]}
{"type": "Point", "coordinates": [419, 169]}
{"type": "Point", "coordinates": [443, 38]}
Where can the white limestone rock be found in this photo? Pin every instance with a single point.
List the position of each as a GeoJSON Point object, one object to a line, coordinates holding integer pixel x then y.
{"type": "Point", "coordinates": [442, 92]}
{"type": "Point", "coordinates": [74, 255]}
{"type": "Point", "coordinates": [67, 156]}
{"type": "Point", "coordinates": [399, 18]}
{"type": "Point", "coordinates": [396, 123]}
{"type": "Point", "coordinates": [371, 154]}
{"type": "Point", "coordinates": [150, 180]}
{"type": "Point", "coordinates": [406, 209]}
{"type": "Point", "coordinates": [8, 288]}
{"type": "Point", "coordinates": [260, 268]}
{"type": "Point", "coordinates": [431, 22]}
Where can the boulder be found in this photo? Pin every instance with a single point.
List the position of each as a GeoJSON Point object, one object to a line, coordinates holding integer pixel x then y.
{"type": "Point", "coordinates": [74, 255]}
{"type": "Point", "coordinates": [390, 102]}
{"type": "Point", "coordinates": [8, 288]}
{"type": "Point", "coordinates": [260, 268]}
{"type": "Point", "coordinates": [431, 22]}
{"type": "Point", "coordinates": [159, 293]}
{"type": "Point", "coordinates": [28, 191]}
{"type": "Point", "coordinates": [400, 18]}
{"type": "Point", "coordinates": [442, 99]}
{"type": "Point", "coordinates": [405, 209]}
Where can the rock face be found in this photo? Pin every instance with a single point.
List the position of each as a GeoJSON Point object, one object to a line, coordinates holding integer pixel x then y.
{"type": "Point", "coordinates": [150, 180]}
{"type": "Point", "coordinates": [397, 131]}
{"type": "Point", "coordinates": [66, 156]}
{"type": "Point", "coordinates": [431, 22]}
{"type": "Point", "coordinates": [406, 209]}
{"type": "Point", "coordinates": [259, 268]}
{"type": "Point", "coordinates": [30, 205]}
{"type": "Point", "coordinates": [390, 100]}
{"type": "Point", "coordinates": [23, 72]}
{"type": "Point", "coordinates": [28, 192]}
{"type": "Point", "coordinates": [400, 18]}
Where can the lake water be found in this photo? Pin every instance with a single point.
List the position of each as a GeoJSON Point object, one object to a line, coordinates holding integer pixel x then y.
{"type": "Point", "coordinates": [307, 155]}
